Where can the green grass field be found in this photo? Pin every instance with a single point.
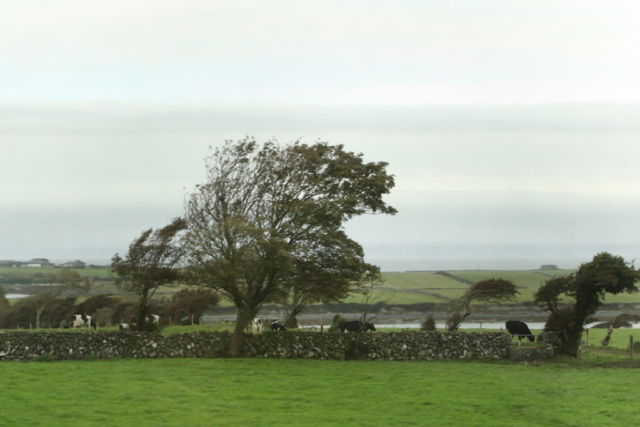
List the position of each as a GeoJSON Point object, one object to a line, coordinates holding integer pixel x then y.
{"type": "Point", "coordinates": [266, 392]}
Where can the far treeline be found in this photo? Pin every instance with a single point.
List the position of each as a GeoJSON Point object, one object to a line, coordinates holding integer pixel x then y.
{"type": "Point", "coordinates": [267, 227]}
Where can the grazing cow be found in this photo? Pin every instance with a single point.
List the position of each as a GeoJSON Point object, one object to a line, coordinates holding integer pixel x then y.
{"type": "Point", "coordinates": [356, 326]}
{"type": "Point", "coordinates": [124, 327]}
{"type": "Point", "coordinates": [516, 327]}
{"type": "Point", "coordinates": [257, 325]}
{"type": "Point", "coordinates": [153, 318]}
{"type": "Point", "coordinates": [275, 326]}
{"type": "Point", "coordinates": [79, 320]}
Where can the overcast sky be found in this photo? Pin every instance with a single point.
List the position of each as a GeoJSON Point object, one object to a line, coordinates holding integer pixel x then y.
{"type": "Point", "coordinates": [507, 124]}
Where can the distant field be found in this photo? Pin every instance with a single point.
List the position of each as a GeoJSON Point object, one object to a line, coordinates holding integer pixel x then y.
{"type": "Point", "coordinates": [428, 286]}
{"type": "Point", "coordinates": [102, 273]}
{"type": "Point", "coordinates": [398, 287]}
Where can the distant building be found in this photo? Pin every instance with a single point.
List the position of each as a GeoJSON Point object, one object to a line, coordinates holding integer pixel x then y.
{"type": "Point", "coordinates": [549, 267]}
{"type": "Point", "coordinates": [8, 263]}
{"type": "Point", "coordinates": [74, 264]}
{"type": "Point", "coordinates": [37, 263]}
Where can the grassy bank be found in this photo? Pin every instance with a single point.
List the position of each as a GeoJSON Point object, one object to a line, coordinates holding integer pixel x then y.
{"type": "Point", "coordinates": [303, 392]}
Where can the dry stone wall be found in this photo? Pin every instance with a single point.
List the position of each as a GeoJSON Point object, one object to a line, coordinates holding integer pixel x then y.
{"type": "Point", "coordinates": [24, 346]}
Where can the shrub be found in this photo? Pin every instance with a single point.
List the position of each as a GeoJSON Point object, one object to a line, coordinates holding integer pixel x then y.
{"type": "Point", "coordinates": [335, 323]}
{"type": "Point", "coordinates": [429, 324]}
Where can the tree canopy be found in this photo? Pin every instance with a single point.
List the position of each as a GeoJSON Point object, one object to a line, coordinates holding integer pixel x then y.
{"type": "Point", "coordinates": [269, 219]}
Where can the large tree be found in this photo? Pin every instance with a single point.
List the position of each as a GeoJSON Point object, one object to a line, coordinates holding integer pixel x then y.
{"type": "Point", "coordinates": [586, 288]}
{"type": "Point", "coordinates": [150, 263]}
{"type": "Point", "coordinates": [270, 217]}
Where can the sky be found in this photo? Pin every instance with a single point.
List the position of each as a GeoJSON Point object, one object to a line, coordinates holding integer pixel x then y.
{"type": "Point", "coordinates": [511, 127]}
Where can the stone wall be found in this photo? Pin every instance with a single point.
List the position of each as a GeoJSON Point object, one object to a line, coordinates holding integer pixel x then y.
{"type": "Point", "coordinates": [23, 346]}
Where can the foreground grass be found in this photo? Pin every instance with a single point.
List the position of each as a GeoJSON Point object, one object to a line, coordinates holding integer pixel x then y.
{"type": "Point", "coordinates": [180, 392]}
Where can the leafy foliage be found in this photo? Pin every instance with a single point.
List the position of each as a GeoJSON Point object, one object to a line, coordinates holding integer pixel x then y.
{"type": "Point", "coordinates": [269, 221]}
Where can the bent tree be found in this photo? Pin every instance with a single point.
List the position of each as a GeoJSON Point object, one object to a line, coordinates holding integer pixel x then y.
{"type": "Point", "coordinates": [587, 288]}
{"type": "Point", "coordinates": [150, 263]}
{"type": "Point", "coordinates": [492, 291]}
{"type": "Point", "coordinates": [270, 218]}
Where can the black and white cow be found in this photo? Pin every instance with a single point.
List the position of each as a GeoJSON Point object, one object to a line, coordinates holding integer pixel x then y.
{"type": "Point", "coordinates": [79, 320]}
{"type": "Point", "coordinates": [257, 325]}
{"type": "Point", "coordinates": [153, 319]}
{"type": "Point", "coordinates": [516, 327]}
{"type": "Point", "coordinates": [276, 326]}
{"type": "Point", "coordinates": [124, 327]}
{"type": "Point", "coordinates": [356, 326]}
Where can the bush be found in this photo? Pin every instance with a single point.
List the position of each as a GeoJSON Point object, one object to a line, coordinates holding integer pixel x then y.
{"type": "Point", "coordinates": [429, 324]}
{"type": "Point", "coordinates": [335, 323]}
{"type": "Point", "coordinates": [190, 302]}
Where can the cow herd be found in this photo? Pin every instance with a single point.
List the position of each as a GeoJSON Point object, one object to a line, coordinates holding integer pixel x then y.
{"type": "Point", "coordinates": [515, 327]}
{"type": "Point", "coordinates": [257, 325]}
{"type": "Point", "coordinates": [82, 320]}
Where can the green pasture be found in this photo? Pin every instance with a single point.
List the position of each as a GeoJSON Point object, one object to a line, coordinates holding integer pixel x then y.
{"type": "Point", "coordinates": [270, 392]}
{"type": "Point", "coordinates": [397, 287]}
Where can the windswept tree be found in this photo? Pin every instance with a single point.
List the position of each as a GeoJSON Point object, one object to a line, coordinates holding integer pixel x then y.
{"type": "Point", "coordinates": [491, 291]}
{"type": "Point", "coordinates": [586, 290]}
{"type": "Point", "coordinates": [64, 281]}
{"type": "Point", "coordinates": [269, 218]}
{"type": "Point", "coordinates": [150, 263]}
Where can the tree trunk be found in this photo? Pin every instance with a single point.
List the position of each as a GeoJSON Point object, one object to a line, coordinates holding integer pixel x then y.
{"type": "Point", "coordinates": [142, 313]}
{"type": "Point", "coordinates": [571, 347]}
{"type": "Point", "coordinates": [291, 321]}
{"type": "Point", "coordinates": [244, 316]}
{"type": "Point", "coordinates": [38, 313]}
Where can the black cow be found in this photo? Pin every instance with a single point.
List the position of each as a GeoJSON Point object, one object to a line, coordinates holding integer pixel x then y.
{"type": "Point", "coordinates": [356, 326]}
{"type": "Point", "coordinates": [275, 326]}
{"type": "Point", "coordinates": [516, 327]}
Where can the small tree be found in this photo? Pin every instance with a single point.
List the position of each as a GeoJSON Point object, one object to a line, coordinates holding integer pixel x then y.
{"type": "Point", "coordinates": [587, 288]}
{"type": "Point", "coordinates": [59, 283]}
{"type": "Point", "coordinates": [191, 303]}
{"type": "Point", "coordinates": [492, 291]}
{"type": "Point", "coordinates": [151, 263]}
